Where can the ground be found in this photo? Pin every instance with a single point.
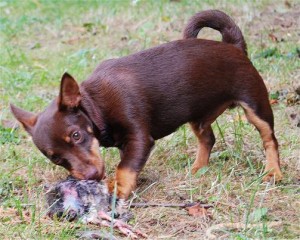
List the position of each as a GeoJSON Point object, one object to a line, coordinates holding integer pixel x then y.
{"type": "Point", "coordinates": [42, 39]}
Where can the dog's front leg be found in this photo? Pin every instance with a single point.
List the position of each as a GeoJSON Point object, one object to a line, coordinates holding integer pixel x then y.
{"type": "Point", "coordinates": [134, 154]}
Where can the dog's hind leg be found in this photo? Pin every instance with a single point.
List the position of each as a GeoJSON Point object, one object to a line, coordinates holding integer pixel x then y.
{"type": "Point", "coordinates": [261, 116]}
{"type": "Point", "coordinates": [206, 141]}
{"type": "Point", "coordinates": [205, 136]}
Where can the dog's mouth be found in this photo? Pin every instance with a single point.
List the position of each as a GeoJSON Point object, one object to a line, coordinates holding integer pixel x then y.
{"type": "Point", "coordinates": [97, 170]}
{"type": "Point", "coordinates": [94, 176]}
{"type": "Point", "coordinates": [96, 173]}
{"type": "Point", "coordinates": [88, 165]}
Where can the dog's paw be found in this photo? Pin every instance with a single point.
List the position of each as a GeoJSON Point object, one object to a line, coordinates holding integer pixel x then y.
{"type": "Point", "coordinates": [194, 170]}
{"type": "Point", "coordinates": [273, 175]}
{"type": "Point", "coordinates": [196, 167]}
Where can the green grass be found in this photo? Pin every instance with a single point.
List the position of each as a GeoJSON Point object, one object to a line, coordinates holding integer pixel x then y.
{"type": "Point", "coordinates": [41, 39]}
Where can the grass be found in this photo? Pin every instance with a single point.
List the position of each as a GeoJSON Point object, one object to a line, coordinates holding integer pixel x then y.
{"type": "Point", "coordinates": [40, 39]}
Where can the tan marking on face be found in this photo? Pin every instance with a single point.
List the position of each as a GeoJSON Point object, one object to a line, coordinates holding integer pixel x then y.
{"type": "Point", "coordinates": [271, 147]}
{"type": "Point", "coordinates": [89, 165]}
{"type": "Point", "coordinates": [89, 129]}
{"type": "Point", "coordinates": [67, 139]}
{"type": "Point", "coordinates": [95, 148]}
{"type": "Point", "coordinates": [126, 182]}
{"type": "Point", "coordinates": [96, 159]}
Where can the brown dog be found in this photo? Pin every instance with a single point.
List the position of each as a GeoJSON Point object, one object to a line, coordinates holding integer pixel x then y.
{"type": "Point", "coordinates": [132, 101]}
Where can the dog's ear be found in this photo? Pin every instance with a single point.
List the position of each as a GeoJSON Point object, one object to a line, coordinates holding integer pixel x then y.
{"type": "Point", "coordinates": [27, 119]}
{"type": "Point", "coordinates": [69, 95]}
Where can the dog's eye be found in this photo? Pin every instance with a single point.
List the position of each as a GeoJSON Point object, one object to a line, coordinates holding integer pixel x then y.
{"type": "Point", "coordinates": [76, 136]}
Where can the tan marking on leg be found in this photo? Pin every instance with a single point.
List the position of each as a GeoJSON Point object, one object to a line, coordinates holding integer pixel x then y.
{"type": "Point", "coordinates": [204, 148]}
{"type": "Point", "coordinates": [269, 142]}
{"type": "Point", "coordinates": [126, 182]}
{"type": "Point", "coordinates": [202, 158]}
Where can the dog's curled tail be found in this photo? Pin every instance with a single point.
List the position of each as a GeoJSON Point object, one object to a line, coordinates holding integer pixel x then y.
{"type": "Point", "coordinates": [219, 21]}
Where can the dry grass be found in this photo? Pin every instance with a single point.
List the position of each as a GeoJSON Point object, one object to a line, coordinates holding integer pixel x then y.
{"type": "Point", "coordinates": [41, 40]}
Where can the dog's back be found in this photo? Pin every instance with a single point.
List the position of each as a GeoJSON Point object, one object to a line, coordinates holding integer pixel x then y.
{"type": "Point", "coordinates": [173, 77]}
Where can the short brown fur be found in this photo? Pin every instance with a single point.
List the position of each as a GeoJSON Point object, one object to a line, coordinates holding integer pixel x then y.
{"type": "Point", "coordinates": [269, 142]}
{"type": "Point", "coordinates": [132, 101]}
{"type": "Point", "coordinates": [125, 180]}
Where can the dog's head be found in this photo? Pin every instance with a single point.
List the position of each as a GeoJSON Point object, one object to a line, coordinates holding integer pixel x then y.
{"type": "Point", "coordinates": [64, 133]}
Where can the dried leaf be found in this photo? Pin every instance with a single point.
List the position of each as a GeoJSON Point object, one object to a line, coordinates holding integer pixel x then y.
{"type": "Point", "coordinates": [198, 211]}
{"type": "Point", "coordinates": [292, 98]}
{"type": "Point", "coordinates": [273, 101]}
{"type": "Point", "coordinates": [288, 4]}
{"type": "Point", "coordinates": [273, 37]}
